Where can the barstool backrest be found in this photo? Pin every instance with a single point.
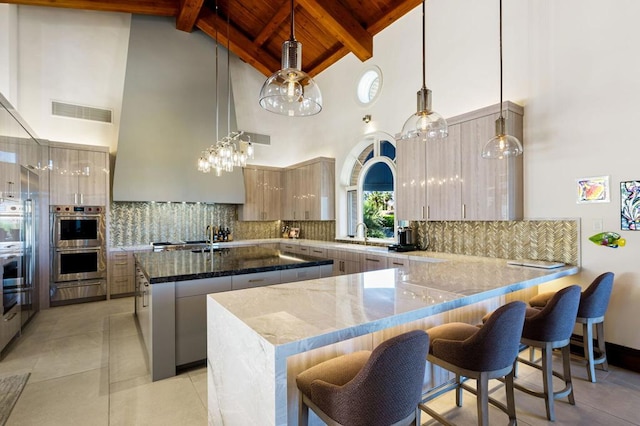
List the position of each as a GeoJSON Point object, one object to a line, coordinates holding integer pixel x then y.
{"type": "Point", "coordinates": [555, 321]}
{"type": "Point", "coordinates": [595, 298]}
{"type": "Point", "coordinates": [495, 345]}
{"type": "Point", "coordinates": [387, 388]}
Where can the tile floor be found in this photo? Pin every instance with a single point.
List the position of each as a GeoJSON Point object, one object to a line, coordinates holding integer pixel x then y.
{"type": "Point", "coordinates": [87, 368]}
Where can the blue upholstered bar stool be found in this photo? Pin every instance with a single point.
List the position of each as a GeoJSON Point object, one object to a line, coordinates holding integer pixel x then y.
{"type": "Point", "coordinates": [480, 353]}
{"type": "Point", "coordinates": [379, 388]}
{"type": "Point", "coordinates": [594, 301]}
{"type": "Point", "coordinates": [547, 329]}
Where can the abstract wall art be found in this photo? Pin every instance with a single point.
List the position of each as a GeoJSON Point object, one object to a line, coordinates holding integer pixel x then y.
{"type": "Point", "coordinates": [630, 205]}
{"type": "Point", "coordinates": [593, 189]}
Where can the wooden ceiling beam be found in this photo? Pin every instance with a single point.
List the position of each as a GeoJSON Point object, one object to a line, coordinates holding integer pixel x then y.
{"type": "Point", "coordinates": [339, 22]}
{"type": "Point", "coordinates": [399, 10]}
{"type": "Point", "coordinates": [239, 44]}
{"type": "Point", "coordinates": [143, 7]}
{"type": "Point", "coordinates": [274, 23]}
{"type": "Point", "coordinates": [189, 11]}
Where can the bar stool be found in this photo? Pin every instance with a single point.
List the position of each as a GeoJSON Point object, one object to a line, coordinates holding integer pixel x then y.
{"type": "Point", "coordinates": [594, 301]}
{"type": "Point", "coordinates": [379, 388]}
{"type": "Point", "coordinates": [550, 328]}
{"type": "Point", "coordinates": [481, 353]}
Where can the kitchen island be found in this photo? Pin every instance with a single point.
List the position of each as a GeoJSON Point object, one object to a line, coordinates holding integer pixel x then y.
{"type": "Point", "coordinates": [260, 339]}
{"type": "Point", "coordinates": [171, 289]}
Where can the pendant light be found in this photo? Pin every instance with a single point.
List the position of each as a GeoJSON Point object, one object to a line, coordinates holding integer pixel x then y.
{"type": "Point", "coordinates": [425, 123]}
{"type": "Point", "coordinates": [290, 91]}
{"type": "Point", "coordinates": [502, 145]}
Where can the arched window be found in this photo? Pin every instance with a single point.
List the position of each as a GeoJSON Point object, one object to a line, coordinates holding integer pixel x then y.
{"type": "Point", "coordinates": [370, 194]}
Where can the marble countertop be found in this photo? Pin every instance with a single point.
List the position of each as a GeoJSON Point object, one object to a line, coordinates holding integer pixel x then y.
{"type": "Point", "coordinates": [181, 265]}
{"type": "Point", "coordinates": [318, 312]}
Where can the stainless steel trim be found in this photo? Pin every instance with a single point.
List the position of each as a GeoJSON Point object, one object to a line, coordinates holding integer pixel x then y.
{"type": "Point", "coordinates": [78, 290]}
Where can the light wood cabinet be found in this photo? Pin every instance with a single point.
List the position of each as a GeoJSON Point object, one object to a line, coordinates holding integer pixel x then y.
{"type": "Point", "coordinates": [15, 152]}
{"type": "Point", "coordinates": [309, 191]}
{"type": "Point", "coordinates": [412, 180]}
{"type": "Point", "coordinates": [78, 176]}
{"type": "Point", "coordinates": [372, 262]}
{"type": "Point", "coordinates": [449, 180]}
{"type": "Point", "coordinates": [121, 273]}
{"type": "Point", "coordinates": [344, 262]}
{"type": "Point", "coordinates": [491, 189]}
{"type": "Point", "coordinates": [263, 189]}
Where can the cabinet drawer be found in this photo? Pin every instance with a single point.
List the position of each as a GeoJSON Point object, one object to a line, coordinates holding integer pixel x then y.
{"type": "Point", "coordinates": [304, 249]}
{"type": "Point", "coordinates": [288, 247]}
{"type": "Point", "coordinates": [122, 284]}
{"type": "Point", "coordinates": [300, 274]}
{"type": "Point", "coordinates": [318, 252]}
{"type": "Point", "coordinates": [371, 262]}
{"type": "Point", "coordinates": [259, 279]}
{"type": "Point", "coordinates": [202, 286]}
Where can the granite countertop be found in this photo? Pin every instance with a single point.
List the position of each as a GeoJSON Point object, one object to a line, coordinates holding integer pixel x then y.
{"type": "Point", "coordinates": [317, 312]}
{"type": "Point", "coordinates": [182, 265]}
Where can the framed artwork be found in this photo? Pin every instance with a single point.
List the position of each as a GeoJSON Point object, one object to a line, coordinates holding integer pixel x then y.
{"type": "Point", "coordinates": [593, 189]}
{"type": "Point", "coordinates": [630, 205]}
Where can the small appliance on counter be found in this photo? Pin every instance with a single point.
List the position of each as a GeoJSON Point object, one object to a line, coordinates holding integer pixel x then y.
{"type": "Point", "coordinates": [406, 241]}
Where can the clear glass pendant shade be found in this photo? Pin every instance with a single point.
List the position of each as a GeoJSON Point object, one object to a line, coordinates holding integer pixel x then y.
{"type": "Point", "coordinates": [291, 91]}
{"type": "Point", "coordinates": [502, 145]}
{"type": "Point", "coordinates": [425, 124]}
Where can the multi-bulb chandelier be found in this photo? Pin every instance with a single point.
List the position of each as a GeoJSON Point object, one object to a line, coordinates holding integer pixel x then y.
{"type": "Point", "coordinates": [230, 151]}
{"type": "Point", "coordinates": [226, 154]}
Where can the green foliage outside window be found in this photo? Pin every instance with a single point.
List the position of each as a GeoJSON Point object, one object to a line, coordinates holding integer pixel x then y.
{"type": "Point", "coordinates": [378, 213]}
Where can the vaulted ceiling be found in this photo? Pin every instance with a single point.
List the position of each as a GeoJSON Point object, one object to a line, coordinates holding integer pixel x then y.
{"type": "Point", "coordinates": [327, 29]}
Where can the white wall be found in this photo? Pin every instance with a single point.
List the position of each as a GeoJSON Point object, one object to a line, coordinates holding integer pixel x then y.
{"type": "Point", "coordinates": [71, 56]}
{"type": "Point", "coordinates": [572, 64]}
{"type": "Point", "coordinates": [9, 52]}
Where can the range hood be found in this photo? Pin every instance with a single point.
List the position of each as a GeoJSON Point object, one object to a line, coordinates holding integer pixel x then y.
{"type": "Point", "coordinates": [169, 117]}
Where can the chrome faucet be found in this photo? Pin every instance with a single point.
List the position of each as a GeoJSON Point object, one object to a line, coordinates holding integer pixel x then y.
{"type": "Point", "coordinates": [365, 231]}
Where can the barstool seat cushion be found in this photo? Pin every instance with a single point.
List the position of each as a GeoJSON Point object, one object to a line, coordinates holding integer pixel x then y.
{"type": "Point", "coordinates": [339, 371]}
{"type": "Point", "coordinates": [457, 331]}
{"type": "Point", "coordinates": [541, 300]}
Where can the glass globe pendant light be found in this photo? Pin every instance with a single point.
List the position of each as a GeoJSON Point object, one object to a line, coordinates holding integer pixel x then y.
{"type": "Point", "coordinates": [291, 91]}
{"type": "Point", "coordinates": [502, 145]}
{"type": "Point", "coordinates": [425, 123]}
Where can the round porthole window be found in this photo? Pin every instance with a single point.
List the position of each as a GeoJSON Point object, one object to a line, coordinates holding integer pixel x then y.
{"type": "Point", "coordinates": [369, 85]}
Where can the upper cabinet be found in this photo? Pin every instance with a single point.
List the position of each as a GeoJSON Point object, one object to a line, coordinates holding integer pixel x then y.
{"type": "Point", "coordinates": [263, 189]}
{"type": "Point", "coordinates": [78, 176]}
{"type": "Point", "coordinates": [449, 180]}
{"type": "Point", "coordinates": [309, 190]}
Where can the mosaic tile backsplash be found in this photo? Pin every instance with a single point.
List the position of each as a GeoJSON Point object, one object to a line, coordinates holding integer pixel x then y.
{"type": "Point", "coordinates": [552, 240]}
{"type": "Point", "coordinates": [134, 224]}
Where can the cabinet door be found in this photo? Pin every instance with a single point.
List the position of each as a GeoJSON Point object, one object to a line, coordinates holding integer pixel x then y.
{"type": "Point", "coordinates": [371, 262]}
{"type": "Point", "coordinates": [92, 180]}
{"type": "Point", "coordinates": [288, 194]}
{"type": "Point", "coordinates": [272, 195]}
{"type": "Point", "coordinates": [63, 176]}
{"type": "Point", "coordinates": [490, 187]}
{"type": "Point", "coordinates": [254, 192]}
{"type": "Point", "coordinates": [411, 175]}
{"type": "Point", "coordinates": [444, 198]}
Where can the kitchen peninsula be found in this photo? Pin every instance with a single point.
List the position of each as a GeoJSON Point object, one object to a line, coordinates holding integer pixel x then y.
{"type": "Point", "coordinates": [259, 339]}
{"type": "Point", "coordinates": [171, 289]}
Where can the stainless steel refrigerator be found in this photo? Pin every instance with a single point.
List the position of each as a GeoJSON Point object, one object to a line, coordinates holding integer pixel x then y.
{"type": "Point", "coordinates": [29, 195]}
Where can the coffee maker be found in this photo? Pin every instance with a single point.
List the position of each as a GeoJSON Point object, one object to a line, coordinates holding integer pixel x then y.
{"type": "Point", "coordinates": [406, 240]}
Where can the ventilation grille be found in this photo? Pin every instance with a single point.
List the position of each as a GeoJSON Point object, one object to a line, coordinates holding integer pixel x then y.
{"type": "Point", "coordinates": [82, 112]}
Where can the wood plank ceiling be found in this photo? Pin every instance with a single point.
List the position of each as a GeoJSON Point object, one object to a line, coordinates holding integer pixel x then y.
{"type": "Point", "coordinates": [327, 29]}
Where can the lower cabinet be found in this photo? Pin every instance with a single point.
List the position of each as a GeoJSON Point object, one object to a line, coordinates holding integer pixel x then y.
{"type": "Point", "coordinates": [191, 316]}
{"type": "Point", "coordinates": [121, 273]}
{"type": "Point", "coordinates": [10, 326]}
{"type": "Point", "coordinates": [372, 262]}
{"type": "Point", "coordinates": [173, 316]}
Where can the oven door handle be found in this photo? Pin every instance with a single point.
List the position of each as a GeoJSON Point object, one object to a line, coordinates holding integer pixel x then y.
{"type": "Point", "coordinates": [83, 284]}
{"type": "Point", "coordinates": [73, 250]}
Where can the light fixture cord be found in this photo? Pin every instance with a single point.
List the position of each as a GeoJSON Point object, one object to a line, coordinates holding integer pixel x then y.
{"type": "Point", "coordinates": [424, 49]}
{"type": "Point", "coordinates": [217, 112]}
{"type": "Point", "coordinates": [228, 77]}
{"type": "Point", "coordinates": [501, 59]}
{"type": "Point", "coordinates": [291, 36]}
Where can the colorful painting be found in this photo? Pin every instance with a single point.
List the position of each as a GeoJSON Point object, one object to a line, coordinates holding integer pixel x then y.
{"type": "Point", "coordinates": [630, 205]}
{"type": "Point", "coordinates": [593, 189]}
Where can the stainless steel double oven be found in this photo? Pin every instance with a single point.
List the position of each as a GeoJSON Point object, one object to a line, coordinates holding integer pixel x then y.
{"type": "Point", "coordinates": [78, 253]}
